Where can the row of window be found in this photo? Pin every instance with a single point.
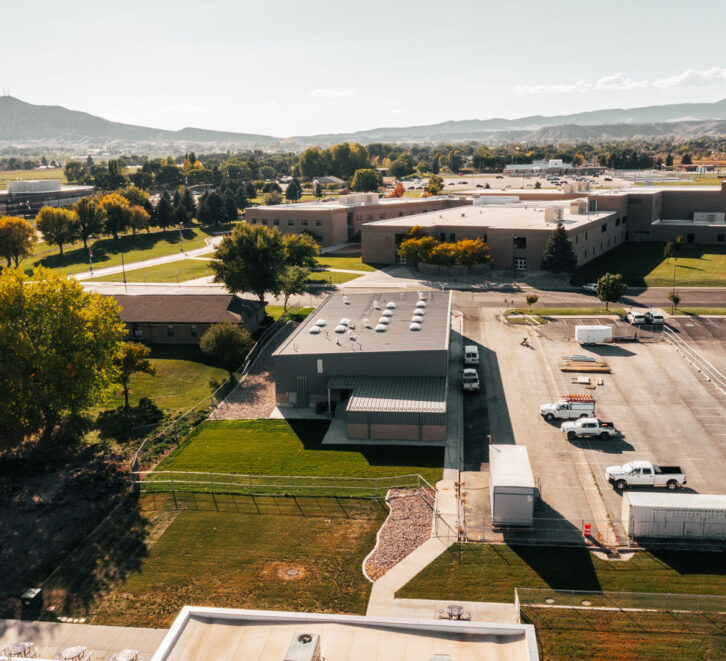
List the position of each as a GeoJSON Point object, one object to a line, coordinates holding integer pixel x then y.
{"type": "Point", "coordinates": [290, 222]}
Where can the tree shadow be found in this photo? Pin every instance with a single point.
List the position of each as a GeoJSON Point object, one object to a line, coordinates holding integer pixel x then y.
{"type": "Point", "coordinates": [561, 568]}
{"type": "Point", "coordinates": [130, 424]}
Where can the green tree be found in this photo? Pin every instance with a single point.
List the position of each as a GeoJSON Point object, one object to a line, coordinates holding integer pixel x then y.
{"type": "Point", "coordinates": [187, 201]}
{"type": "Point", "coordinates": [415, 250]}
{"type": "Point", "coordinates": [537, 185]}
{"type": "Point", "coordinates": [132, 357]}
{"type": "Point", "coordinates": [57, 348]}
{"type": "Point", "coordinates": [294, 191]}
{"type": "Point", "coordinates": [455, 160]}
{"type": "Point", "coordinates": [469, 252]}
{"type": "Point", "coordinates": [211, 209]}
{"type": "Point", "coordinates": [434, 185]}
{"type": "Point", "coordinates": [75, 171]}
{"type": "Point", "coordinates": [401, 167]}
{"type": "Point", "coordinates": [686, 159]}
{"type": "Point", "coordinates": [163, 211]}
{"type": "Point", "coordinates": [91, 218]}
{"type": "Point", "coordinates": [57, 225]}
{"type": "Point", "coordinates": [231, 212]}
{"type": "Point", "coordinates": [117, 213]}
{"type": "Point", "coordinates": [531, 299]}
{"type": "Point", "coordinates": [559, 255]}
{"type": "Point", "coordinates": [272, 198]}
{"type": "Point", "coordinates": [675, 299]}
{"type": "Point", "coordinates": [17, 238]}
{"type": "Point", "coordinates": [135, 195]}
{"type": "Point", "coordinates": [138, 218]}
{"type": "Point", "coordinates": [227, 345]}
{"type": "Point", "coordinates": [251, 259]}
{"type": "Point", "coordinates": [610, 288]}
{"type": "Point", "coordinates": [293, 281]}
{"type": "Point", "coordinates": [365, 180]}
{"type": "Point", "coordinates": [317, 190]}
{"type": "Point", "coordinates": [301, 250]}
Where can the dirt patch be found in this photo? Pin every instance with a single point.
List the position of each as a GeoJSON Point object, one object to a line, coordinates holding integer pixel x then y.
{"type": "Point", "coordinates": [284, 571]}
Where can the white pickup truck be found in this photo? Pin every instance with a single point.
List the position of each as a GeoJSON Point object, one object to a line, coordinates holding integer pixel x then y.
{"type": "Point", "coordinates": [571, 406]}
{"type": "Point", "coordinates": [645, 474]}
{"type": "Point", "coordinates": [470, 380]}
{"type": "Point", "coordinates": [588, 428]}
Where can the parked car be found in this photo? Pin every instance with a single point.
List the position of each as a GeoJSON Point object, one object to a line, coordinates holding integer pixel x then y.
{"type": "Point", "coordinates": [572, 406]}
{"type": "Point", "coordinates": [471, 354]}
{"type": "Point", "coordinates": [635, 317]}
{"type": "Point", "coordinates": [588, 428]}
{"type": "Point", "coordinates": [654, 317]}
{"type": "Point", "coordinates": [470, 380]}
{"type": "Point", "coordinates": [645, 474]}
{"type": "Point", "coordinates": [590, 288]}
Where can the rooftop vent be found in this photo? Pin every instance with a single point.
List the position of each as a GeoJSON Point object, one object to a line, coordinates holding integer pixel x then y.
{"type": "Point", "coordinates": [376, 306]}
{"type": "Point", "coordinates": [421, 311]}
{"type": "Point", "coordinates": [391, 305]}
{"type": "Point", "coordinates": [384, 320]}
{"type": "Point", "coordinates": [344, 321]}
{"type": "Point", "coordinates": [366, 323]}
{"type": "Point", "coordinates": [421, 304]}
{"type": "Point", "coordinates": [304, 647]}
{"type": "Point", "coordinates": [340, 328]}
{"type": "Point", "coordinates": [387, 313]}
{"type": "Point", "coordinates": [417, 319]}
{"type": "Point", "coordinates": [346, 300]}
{"type": "Point", "coordinates": [315, 330]}
{"type": "Point", "coordinates": [415, 327]}
{"type": "Point", "coordinates": [321, 323]}
{"type": "Point", "coordinates": [381, 328]}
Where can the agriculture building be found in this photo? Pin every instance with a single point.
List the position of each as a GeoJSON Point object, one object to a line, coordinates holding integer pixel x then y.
{"type": "Point", "coordinates": [379, 360]}
{"type": "Point", "coordinates": [335, 222]}
{"type": "Point", "coordinates": [515, 231]}
{"type": "Point", "coordinates": [24, 198]}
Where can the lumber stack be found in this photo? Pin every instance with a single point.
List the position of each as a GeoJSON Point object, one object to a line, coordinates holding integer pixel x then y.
{"type": "Point", "coordinates": [600, 366]}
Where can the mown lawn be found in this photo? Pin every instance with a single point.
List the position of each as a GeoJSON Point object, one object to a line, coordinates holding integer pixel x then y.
{"type": "Point", "coordinates": [107, 252]}
{"type": "Point", "coordinates": [352, 261]}
{"type": "Point", "coordinates": [332, 277]}
{"type": "Point", "coordinates": [643, 265]}
{"type": "Point", "coordinates": [281, 447]}
{"type": "Point", "coordinates": [179, 271]}
{"type": "Point", "coordinates": [562, 312]}
{"type": "Point", "coordinates": [240, 559]}
{"type": "Point", "coordinates": [276, 311]}
{"type": "Point", "coordinates": [31, 175]}
{"type": "Point", "coordinates": [491, 572]}
{"type": "Point", "coordinates": [182, 379]}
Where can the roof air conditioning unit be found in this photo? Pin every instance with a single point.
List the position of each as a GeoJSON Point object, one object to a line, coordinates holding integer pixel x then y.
{"type": "Point", "coordinates": [366, 323]}
{"type": "Point", "coordinates": [381, 328]}
{"type": "Point", "coordinates": [417, 319]}
{"type": "Point", "coordinates": [387, 313]}
{"type": "Point", "coordinates": [415, 327]}
{"type": "Point", "coordinates": [346, 300]}
{"type": "Point", "coordinates": [321, 323]}
{"type": "Point", "coordinates": [376, 306]}
{"type": "Point", "coordinates": [340, 328]}
{"type": "Point", "coordinates": [384, 320]}
{"type": "Point", "coordinates": [304, 647]}
{"type": "Point", "coordinates": [421, 304]}
{"type": "Point", "coordinates": [315, 330]}
{"type": "Point", "coordinates": [391, 305]}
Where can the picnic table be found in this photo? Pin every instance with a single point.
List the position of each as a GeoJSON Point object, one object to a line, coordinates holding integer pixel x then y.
{"type": "Point", "coordinates": [75, 653]}
{"type": "Point", "coordinates": [454, 611]}
{"type": "Point", "coordinates": [22, 650]}
{"type": "Point", "coordinates": [127, 655]}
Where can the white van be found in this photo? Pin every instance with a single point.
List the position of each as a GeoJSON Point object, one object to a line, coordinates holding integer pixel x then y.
{"type": "Point", "coordinates": [635, 317]}
{"type": "Point", "coordinates": [471, 355]}
{"type": "Point", "coordinates": [654, 317]}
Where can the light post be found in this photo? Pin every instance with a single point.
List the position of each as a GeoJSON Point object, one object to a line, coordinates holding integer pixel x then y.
{"type": "Point", "coordinates": [90, 258]}
{"type": "Point", "coordinates": [181, 239]}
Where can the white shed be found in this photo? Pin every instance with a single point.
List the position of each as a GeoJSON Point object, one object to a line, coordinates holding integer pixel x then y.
{"type": "Point", "coordinates": [511, 485]}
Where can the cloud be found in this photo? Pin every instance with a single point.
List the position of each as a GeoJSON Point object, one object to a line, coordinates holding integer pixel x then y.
{"type": "Point", "coordinates": [332, 94]}
{"type": "Point", "coordinates": [615, 81]}
{"type": "Point", "coordinates": [694, 78]}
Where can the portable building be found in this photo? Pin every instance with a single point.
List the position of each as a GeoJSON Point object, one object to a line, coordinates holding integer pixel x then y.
{"type": "Point", "coordinates": [593, 334]}
{"type": "Point", "coordinates": [511, 485]}
{"type": "Point", "coordinates": [674, 515]}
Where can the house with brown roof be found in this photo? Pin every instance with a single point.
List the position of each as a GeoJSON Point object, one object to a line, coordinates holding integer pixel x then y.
{"type": "Point", "coordinates": [183, 318]}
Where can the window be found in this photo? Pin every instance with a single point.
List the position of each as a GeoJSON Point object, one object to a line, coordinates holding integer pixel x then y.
{"type": "Point", "coordinates": [585, 253]}
{"type": "Point", "coordinates": [400, 213]}
{"type": "Point", "coordinates": [585, 236]}
{"type": "Point", "coordinates": [625, 219]}
{"type": "Point", "coordinates": [264, 221]}
{"type": "Point", "coordinates": [276, 221]}
{"type": "Point", "coordinates": [320, 365]}
{"type": "Point", "coordinates": [383, 215]}
{"type": "Point", "coordinates": [304, 222]}
{"type": "Point", "coordinates": [604, 227]}
{"type": "Point", "coordinates": [291, 222]}
{"type": "Point", "coordinates": [318, 223]}
{"type": "Point", "coordinates": [170, 331]}
{"type": "Point", "coordinates": [520, 264]}
{"type": "Point", "coordinates": [443, 236]}
{"type": "Point", "coordinates": [520, 242]}
{"type": "Point", "coordinates": [452, 237]}
{"type": "Point", "coordinates": [720, 237]}
{"type": "Point", "coordinates": [577, 239]}
{"type": "Point", "coordinates": [617, 222]}
{"type": "Point", "coordinates": [254, 221]}
{"type": "Point", "coordinates": [193, 331]}
{"type": "Point", "coordinates": [635, 200]}
{"type": "Point", "coordinates": [370, 216]}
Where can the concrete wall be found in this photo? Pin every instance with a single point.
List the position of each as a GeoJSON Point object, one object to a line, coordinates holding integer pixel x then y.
{"type": "Point", "coordinates": [330, 226]}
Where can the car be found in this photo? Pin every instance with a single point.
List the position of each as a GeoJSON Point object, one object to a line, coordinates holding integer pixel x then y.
{"type": "Point", "coordinates": [499, 176]}
{"type": "Point", "coordinates": [480, 186]}
{"type": "Point", "coordinates": [463, 182]}
{"type": "Point", "coordinates": [588, 428]}
{"type": "Point", "coordinates": [645, 474]}
{"type": "Point", "coordinates": [590, 288]}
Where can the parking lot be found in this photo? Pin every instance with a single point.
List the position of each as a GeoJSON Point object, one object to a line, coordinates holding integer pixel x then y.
{"type": "Point", "coordinates": [665, 411]}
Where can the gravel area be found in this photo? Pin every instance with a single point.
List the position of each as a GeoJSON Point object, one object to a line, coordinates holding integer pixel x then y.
{"type": "Point", "coordinates": [254, 397]}
{"type": "Point", "coordinates": [407, 527]}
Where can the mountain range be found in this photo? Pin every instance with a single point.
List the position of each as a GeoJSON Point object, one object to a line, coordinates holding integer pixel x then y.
{"type": "Point", "coordinates": [54, 127]}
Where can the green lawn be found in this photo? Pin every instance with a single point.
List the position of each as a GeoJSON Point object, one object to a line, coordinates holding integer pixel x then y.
{"type": "Point", "coordinates": [30, 175]}
{"type": "Point", "coordinates": [107, 252]}
{"type": "Point", "coordinates": [642, 264]}
{"type": "Point", "coordinates": [181, 380]}
{"type": "Point", "coordinates": [482, 572]}
{"type": "Point", "coordinates": [561, 312]}
{"type": "Point", "coordinates": [698, 311]}
{"type": "Point", "coordinates": [185, 269]}
{"type": "Point", "coordinates": [332, 277]}
{"type": "Point", "coordinates": [238, 558]}
{"type": "Point", "coordinates": [280, 447]}
{"type": "Point", "coordinates": [351, 261]}
{"type": "Point", "coordinates": [276, 311]}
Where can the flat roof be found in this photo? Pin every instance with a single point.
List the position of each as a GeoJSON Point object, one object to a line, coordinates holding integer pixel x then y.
{"type": "Point", "coordinates": [363, 316]}
{"type": "Point", "coordinates": [651, 190]}
{"type": "Point", "coordinates": [515, 215]}
{"type": "Point", "coordinates": [509, 466]}
{"type": "Point", "coordinates": [384, 201]}
{"type": "Point", "coordinates": [393, 394]}
{"type": "Point", "coordinates": [685, 501]}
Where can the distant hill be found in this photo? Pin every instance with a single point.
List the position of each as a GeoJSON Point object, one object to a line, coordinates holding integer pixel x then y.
{"type": "Point", "coordinates": [25, 124]}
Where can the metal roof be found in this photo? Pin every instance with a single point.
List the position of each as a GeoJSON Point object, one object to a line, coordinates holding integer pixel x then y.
{"type": "Point", "coordinates": [509, 466]}
{"type": "Point", "coordinates": [686, 501]}
{"type": "Point", "coordinates": [393, 394]}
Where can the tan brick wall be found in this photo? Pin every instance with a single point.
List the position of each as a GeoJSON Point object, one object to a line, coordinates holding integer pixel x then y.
{"type": "Point", "coordinates": [395, 432]}
{"type": "Point", "coordinates": [433, 433]}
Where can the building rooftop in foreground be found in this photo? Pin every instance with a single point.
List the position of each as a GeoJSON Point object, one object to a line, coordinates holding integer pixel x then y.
{"type": "Point", "coordinates": [351, 201]}
{"type": "Point", "coordinates": [201, 634]}
{"type": "Point", "coordinates": [362, 313]}
{"type": "Point", "coordinates": [514, 215]}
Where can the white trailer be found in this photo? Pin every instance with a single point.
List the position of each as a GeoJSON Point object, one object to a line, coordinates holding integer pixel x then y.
{"type": "Point", "coordinates": [674, 515]}
{"type": "Point", "coordinates": [511, 485]}
{"type": "Point", "coordinates": [593, 334]}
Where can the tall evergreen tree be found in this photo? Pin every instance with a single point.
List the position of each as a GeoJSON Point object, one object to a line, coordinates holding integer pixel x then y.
{"type": "Point", "coordinates": [187, 201]}
{"type": "Point", "coordinates": [559, 255]}
{"type": "Point", "coordinates": [163, 211]}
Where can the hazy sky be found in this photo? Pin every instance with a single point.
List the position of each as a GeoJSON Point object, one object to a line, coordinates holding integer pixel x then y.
{"type": "Point", "coordinates": [287, 67]}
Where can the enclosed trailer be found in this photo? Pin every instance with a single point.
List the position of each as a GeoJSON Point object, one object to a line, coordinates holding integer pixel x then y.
{"type": "Point", "coordinates": [511, 485]}
{"type": "Point", "coordinates": [593, 334]}
{"type": "Point", "coordinates": [674, 515]}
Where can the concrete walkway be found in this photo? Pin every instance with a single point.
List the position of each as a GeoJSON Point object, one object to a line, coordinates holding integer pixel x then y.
{"type": "Point", "coordinates": [102, 641]}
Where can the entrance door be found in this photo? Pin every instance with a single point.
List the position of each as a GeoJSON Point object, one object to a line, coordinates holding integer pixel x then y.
{"type": "Point", "coordinates": [690, 238]}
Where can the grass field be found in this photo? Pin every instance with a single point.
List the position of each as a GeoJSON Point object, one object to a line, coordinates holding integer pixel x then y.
{"type": "Point", "coordinates": [181, 380]}
{"type": "Point", "coordinates": [276, 311]}
{"type": "Point", "coordinates": [241, 558]}
{"type": "Point", "coordinates": [107, 252]}
{"type": "Point", "coordinates": [280, 447]}
{"type": "Point", "coordinates": [351, 261]}
{"type": "Point", "coordinates": [333, 277]}
{"type": "Point", "coordinates": [643, 265]}
{"type": "Point", "coordinates": [180, 271]}
{"type": "Point", "coordinates": [561, 312]}
{"type": "Point", "coordinates": [699, 311]}
{"type": "Point", "coordinates": [30, 175]}
{"type": "Point", "coordinates": [490, 573]}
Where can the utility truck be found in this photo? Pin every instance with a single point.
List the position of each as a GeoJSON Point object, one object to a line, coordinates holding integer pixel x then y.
{"type": "Point", "coordinates": [570, 406]}
{"type": "Point", "coordinates": [470, 380]}
{"type": "Point", "coordinates": [645, 474]}
{"type": "Point", "coordinates": [588, 428]}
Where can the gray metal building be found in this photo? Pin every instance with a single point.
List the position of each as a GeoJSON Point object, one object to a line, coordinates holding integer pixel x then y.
{"type": "Point", "coordinates": [511, 485]}
{"type": "Point", "coordinates": [365, 357]}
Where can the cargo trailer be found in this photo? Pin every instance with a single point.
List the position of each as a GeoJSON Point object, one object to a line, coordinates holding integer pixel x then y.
{"type": "Point", "coordinates": [511, 486]}
{"type": "Point", "coordinates": [593, 334]}
{"type": "Point", "coordinates": [680, 516]}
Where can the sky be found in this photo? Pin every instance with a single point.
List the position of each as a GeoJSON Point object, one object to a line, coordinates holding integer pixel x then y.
{"type": "Point", "coordinates": [286, 67]}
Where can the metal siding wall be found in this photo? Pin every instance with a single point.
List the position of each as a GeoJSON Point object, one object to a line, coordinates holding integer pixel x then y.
{"type": "Point", "coordinates": [513, 506]}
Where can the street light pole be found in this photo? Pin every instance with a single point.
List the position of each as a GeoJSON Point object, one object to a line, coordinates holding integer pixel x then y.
{"type": "Point", "coordinates": [123, 269]}
{"type": "Point", "coordinates": [181, 239]}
